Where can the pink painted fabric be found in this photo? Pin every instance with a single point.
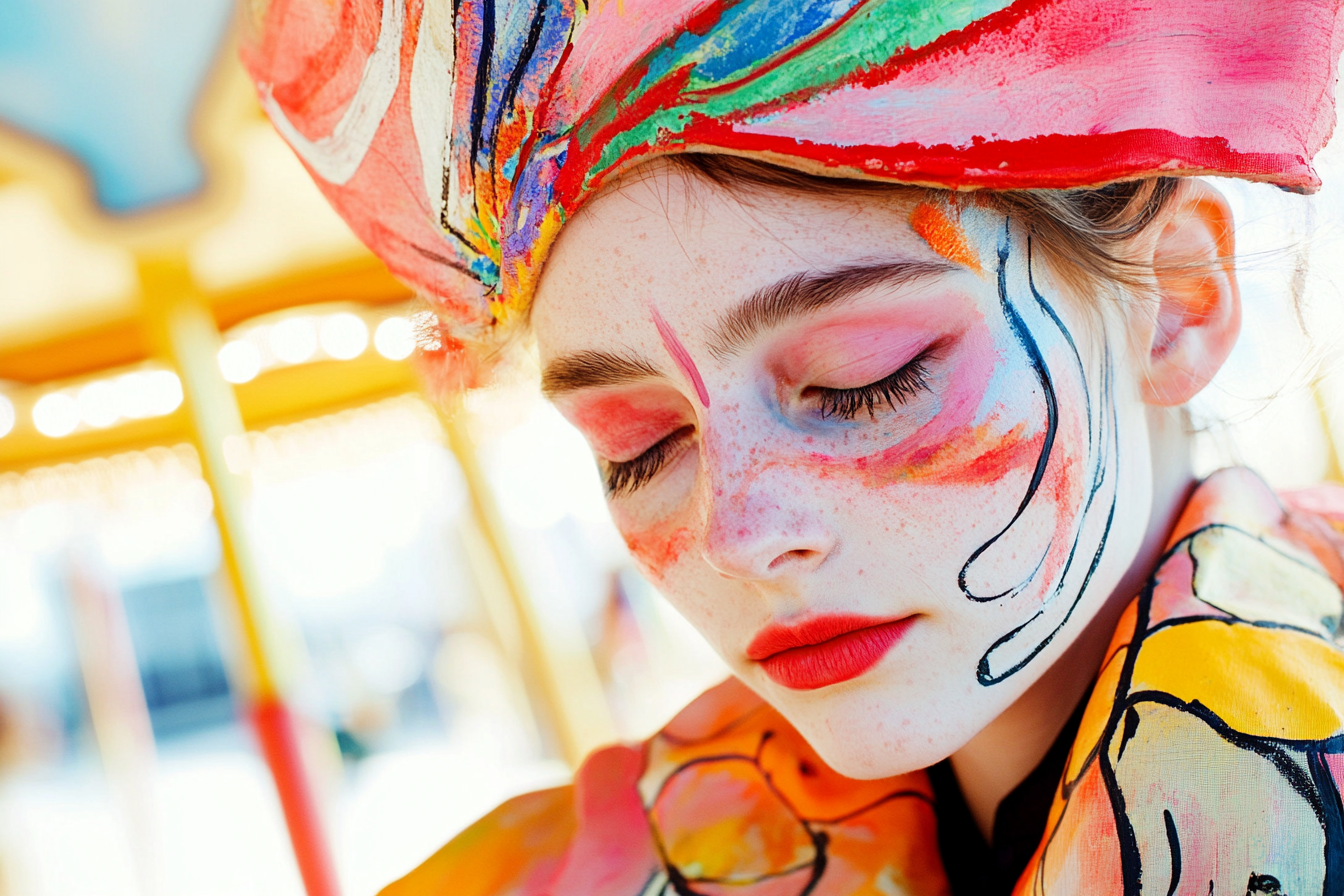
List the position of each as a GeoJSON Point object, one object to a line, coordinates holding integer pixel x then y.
{"type": "Point", "coordinates": [457, 136]}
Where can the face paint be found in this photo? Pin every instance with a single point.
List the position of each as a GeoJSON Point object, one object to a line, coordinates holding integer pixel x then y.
{"type": "Point", "coordinates": [657, 548]}
{"type": "Point", "coordinates": [943, 235]}
{"type": "Point", "coordinates": [680, 355]}
{"type": "Point", "coordinates": [943, 450]}
{"type": "Point", "coordinates": [622, 425]}
{"type": "Point", "coordinates": [962, 444]}
{"type": "Point", "coordinates": [1075, 548]}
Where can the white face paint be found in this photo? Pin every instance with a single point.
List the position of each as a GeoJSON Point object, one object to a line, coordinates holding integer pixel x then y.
{"type": "Point", "coordinates": [882, 464]}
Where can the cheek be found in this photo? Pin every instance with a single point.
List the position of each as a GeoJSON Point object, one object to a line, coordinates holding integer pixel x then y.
{"type": "Point", "coordinates": [661, 531]}
{"type": "Point", "coordinates": [657, 548]}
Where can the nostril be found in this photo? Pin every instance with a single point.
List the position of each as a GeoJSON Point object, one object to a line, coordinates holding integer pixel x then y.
{"type": "Point", "coordinates": [801, 555]}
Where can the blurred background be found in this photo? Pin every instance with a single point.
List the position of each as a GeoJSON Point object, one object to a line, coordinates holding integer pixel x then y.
{"type": "Point", "coordinates": [272, 622]}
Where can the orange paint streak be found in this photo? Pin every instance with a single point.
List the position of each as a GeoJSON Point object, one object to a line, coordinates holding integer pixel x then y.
{"type": "Point", "coordinates": [943, 235]}
{"type": "Point", "coordinates": [656, 549]}
{"type": "Point", "coordinates": [975, 456]}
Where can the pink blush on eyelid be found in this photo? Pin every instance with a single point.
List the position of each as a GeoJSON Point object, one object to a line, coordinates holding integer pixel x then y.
{"type": "Point", "coordinates": [951, 445]}
{"type": "Point", "coordinates": [874, 343]}
{"type": "Point", "coordinates": [860, 361]}
{"type": "Point", "coordinates": [620, 428]}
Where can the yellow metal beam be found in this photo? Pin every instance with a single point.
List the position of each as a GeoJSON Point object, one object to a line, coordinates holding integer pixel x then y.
{"type": "Point", "coordinates": [1333, 472]}
{"type": "Point", "coordinates": [183, 329]}
{"type": "Point", "coordinates": [88, 347]}
{"type": "Point", "coordinates": [276, 397]}
{"type": "Point", "coordinates": [553, 652]}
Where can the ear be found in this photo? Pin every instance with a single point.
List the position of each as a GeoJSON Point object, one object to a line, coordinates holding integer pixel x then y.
{"type": "Point", "coordinates": [1199, 302]}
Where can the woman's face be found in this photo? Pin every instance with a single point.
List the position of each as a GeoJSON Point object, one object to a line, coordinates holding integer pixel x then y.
{"type": "Point", "coordinates": [865, 443]}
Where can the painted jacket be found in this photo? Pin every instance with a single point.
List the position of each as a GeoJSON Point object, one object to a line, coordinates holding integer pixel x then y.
{"type": "Point", "coordinates": [1210, 759]}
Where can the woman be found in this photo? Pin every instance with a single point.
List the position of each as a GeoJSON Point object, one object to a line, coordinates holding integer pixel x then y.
{"type": "Point", "coordinates": [879, 317]}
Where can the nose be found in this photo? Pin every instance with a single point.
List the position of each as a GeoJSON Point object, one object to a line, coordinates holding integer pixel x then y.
{"type": "Point", "coordinates": [762, 519]}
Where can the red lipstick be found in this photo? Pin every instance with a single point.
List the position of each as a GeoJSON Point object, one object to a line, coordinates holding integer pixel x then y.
{"type": "Point", "coordinates": [824, 650]}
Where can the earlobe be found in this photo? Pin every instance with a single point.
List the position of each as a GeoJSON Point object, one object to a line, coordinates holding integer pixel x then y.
{"type": "Point", "coordinates": [1199, 302]}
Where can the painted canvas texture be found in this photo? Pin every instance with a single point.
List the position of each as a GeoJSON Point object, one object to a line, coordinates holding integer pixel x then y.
{"type": "Point", "coordinates": [1210, 758]}
{"type": "Point", "coordinates": [457, 136]}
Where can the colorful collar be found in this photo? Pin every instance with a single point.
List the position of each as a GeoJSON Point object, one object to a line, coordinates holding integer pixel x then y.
{"type": "Point", "coordinates": [1210, 758]}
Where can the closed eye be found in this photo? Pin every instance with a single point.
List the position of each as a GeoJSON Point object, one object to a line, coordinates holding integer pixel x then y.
{"type": "Point", "coordinates": [894, 389]}
{"type": "Point", "coordinates": [623, 477]}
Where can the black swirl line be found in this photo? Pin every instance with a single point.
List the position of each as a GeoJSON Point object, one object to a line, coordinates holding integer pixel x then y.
{"type": "Point", "coordinates": [1033, 350]}
{"type": "Point", "coordinates": [1102, 432]}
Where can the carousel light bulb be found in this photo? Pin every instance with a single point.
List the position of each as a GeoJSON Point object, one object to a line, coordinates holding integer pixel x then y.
{"type": "Point", "coordinates": [344, 336]}
{"type": "Point", "coordinates": [99, 404]}
{"type": "Point", "coordinates": [134, 397]}
{"type": "Point", "coordinates": [395, 338]}
{"type": "Point", "coordinates": [56, 414]}
{"type": "Point", "coordinates": [294, 340]}
{"type": "Point", "coordinates": [239, 361]}
{"type": "Point", "coordinates": [164, 392]}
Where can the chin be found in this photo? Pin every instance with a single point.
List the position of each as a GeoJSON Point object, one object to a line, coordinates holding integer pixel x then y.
{"type": "Point", "coordinates": [865, 734]}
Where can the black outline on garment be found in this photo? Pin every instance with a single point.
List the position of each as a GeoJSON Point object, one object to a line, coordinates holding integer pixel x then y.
{"type": "Point", "coordinates": [1301, 763]}
{"type": "Point", "coordinates": [680, 885]}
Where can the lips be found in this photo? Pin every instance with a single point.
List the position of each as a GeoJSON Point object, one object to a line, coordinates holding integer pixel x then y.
{"type": "Point", "coordinates": [824, 650]}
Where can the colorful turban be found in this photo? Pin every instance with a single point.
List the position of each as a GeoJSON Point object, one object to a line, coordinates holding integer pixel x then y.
{"type": "Point", "coordinates": [457, 136]}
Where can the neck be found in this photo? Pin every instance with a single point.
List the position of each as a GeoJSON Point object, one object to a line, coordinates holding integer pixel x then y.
{"type": "Point", "coordinates": [1003, 753]}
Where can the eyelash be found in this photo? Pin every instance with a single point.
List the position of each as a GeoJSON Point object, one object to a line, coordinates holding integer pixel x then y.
{"type": "Point", "coordinates": [624, 477]}
{"type": "Point", "coordinates": [893, 389]}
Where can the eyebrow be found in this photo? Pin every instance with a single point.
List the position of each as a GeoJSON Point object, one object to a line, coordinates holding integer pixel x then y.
{"type": "Point", "coordinates": [805, 293]}
{"type": "Point", "coordinates": [586, 370]}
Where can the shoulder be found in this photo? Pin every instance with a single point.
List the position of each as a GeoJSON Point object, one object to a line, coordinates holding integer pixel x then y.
{"type": "Point", "coordinates": [532, 844]}
{"type": "Point", "coordinates": [513, 851]}
{"type": "Point", "coordinates": [727, 794]}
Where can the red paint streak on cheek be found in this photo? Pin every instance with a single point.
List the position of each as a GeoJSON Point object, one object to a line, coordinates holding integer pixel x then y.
{"type": "Point", "coordinates": [658, 548]}
{"type": "Point", "coordinates": [943, 235]}
{"type": "Point", "coordinates": [619, 428]}
{"type": "Point", "coordinates": [973, 455]}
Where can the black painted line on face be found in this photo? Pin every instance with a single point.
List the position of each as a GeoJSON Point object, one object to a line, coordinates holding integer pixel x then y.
{"type": "Point", "coordinates": [1033, 350]}
{"type": "Point", "coordinates": [1103, 452]}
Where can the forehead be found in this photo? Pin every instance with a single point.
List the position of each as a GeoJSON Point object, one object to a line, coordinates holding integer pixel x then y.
{"type": "Point", "coordinates": [693, 248]}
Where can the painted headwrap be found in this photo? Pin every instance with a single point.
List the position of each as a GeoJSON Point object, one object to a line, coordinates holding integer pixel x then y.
{"type": "Point", "coordinates": [457, 136]}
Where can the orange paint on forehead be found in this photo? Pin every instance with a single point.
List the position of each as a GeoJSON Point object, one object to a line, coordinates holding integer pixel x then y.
{"type": "Point", "coordinates": [943, 235]}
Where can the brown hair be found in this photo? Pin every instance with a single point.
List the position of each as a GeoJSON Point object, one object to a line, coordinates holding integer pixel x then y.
{"type": "Point", "coordinates": [1083, 231]}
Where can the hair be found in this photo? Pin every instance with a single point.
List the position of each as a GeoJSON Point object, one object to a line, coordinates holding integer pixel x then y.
{"type": "Point", "coordinates": [1083, 231]}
